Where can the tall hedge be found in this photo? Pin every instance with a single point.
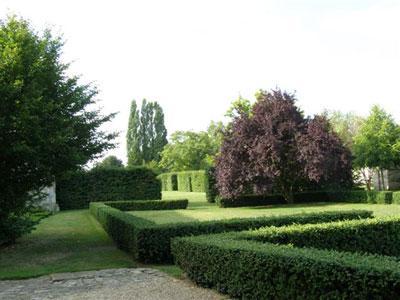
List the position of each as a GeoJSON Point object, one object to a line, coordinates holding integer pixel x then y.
{"type": "Point", "coordinates": [200, 181]}
{"type": "Point", "coordinates": [77, 190]}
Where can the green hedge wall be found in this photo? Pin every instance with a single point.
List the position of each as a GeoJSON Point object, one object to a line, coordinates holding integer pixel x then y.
{"type": "Point", "coordinates": [356, 196]}
{"type": "Point", "coordinates": [376, 236]}
{"type": "Point", "coordinates": [247, 269]}
{"type": "Point", "coordinates": [150, 243]}
{"type": "Point", "coordinates": [78, 189]}
{"type": "Point", "coordinates": [149, 204]}
{"type": "Point", "coordinates": [186, 181]}
{"type": "Point", "coordinates": [396, 198]}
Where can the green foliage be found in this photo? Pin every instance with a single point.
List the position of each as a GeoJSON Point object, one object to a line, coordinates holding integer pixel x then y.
{"type": "Point", "coordinates": [46, 122]}
{"type": "Point", "coordinates": [396, 198]}
{"type": "Point", "coordinates": [133, 140]}
{"type": "Point", "coordinates": [15, 226]}
{"type": "Point", "coordinates": [239, 107]}
{"type": "Point", "coordinates": [346, 125]}
{"type": "Point", "coordinates": [149, 242]}
{"type": "Point", "coordinates": [110, 162]}
{"type": "Point", "coordinates": [374, 145]}
{"type": "Point", "coordinates": [375, 236]}
{"type": "Point", "coordinates": [190, 150]}
{"type": "Point", "coordinates": [78, 189]}
{"type": "Point", "coordinates": [149, 204]}
{"type": "Point", "coordinates": [381, 197]}
{"type": "Point", "coordinates": [211, 185]}
{"type": "Point", "coordinates": [147, 135]}
{"type": "Point", "coordinates": [247, 269]}
{"type": "Point", "coordinates": [350, 196]}
{"type": "Point", "coordinates": [186, 181]}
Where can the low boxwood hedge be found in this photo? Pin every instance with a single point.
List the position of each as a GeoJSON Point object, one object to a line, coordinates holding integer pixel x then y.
{"type": "Point", "coordinates": [247, 269]}
{"type": "Point", "coordinates": [150, 242]}
{"type": "Point", "coordinates": [149, 204]}
{"type": "Point", "coordinates": [376, 236]}
{"type": "Point", "coordinates": [350, 196]}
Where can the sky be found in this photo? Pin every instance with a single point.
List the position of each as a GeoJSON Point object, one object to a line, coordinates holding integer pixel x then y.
{"type": "Point", "coordinates": [196, 57]}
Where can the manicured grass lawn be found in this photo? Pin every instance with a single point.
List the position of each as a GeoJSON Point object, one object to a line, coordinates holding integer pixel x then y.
{"type": "Point", "coordinates": [66, 242]}
{"type": "Point", "coordinates": [200, 210]}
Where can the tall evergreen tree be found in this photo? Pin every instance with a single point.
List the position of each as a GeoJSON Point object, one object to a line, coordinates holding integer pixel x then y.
{"type": "Point", "coordinates": [133, 140]}
{"type": "Point", "coordinates": [160, 132]}
{"type": "Point", "coordinates": [147, 134]}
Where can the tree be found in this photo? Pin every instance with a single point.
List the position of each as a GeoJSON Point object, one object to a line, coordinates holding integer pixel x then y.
{"type": "Point", "coordinates": [132, 138]}
{"type": "Point", "coordinates": [147, 135]}
{"type": "Point", "coordinates": [346, 125]}
{"type": "Point", "coordinates": [276, 149]}
{"type": "Point", "coordinates": [376, 145]}
{"type": "Point", "coordinates": [110, 162]}
{"type": "Point", "coordinates": [160, 133]}
{"type": "Point", "coordinates": [46, 127]}
{"type": "Point", "coordinates": [190, 150]}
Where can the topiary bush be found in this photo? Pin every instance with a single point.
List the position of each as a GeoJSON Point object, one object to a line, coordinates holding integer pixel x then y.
{"type": "Point", "coordinates": [77, 190]}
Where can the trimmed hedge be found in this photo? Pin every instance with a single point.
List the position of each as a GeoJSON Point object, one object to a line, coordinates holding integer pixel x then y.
{"type": "Point", "coordinates": [375, 236]}
{"type": "Point", "coordinates": [396, 198]}
{"type": "Point", "coordinates": [78, 189]}
{"type": "Point", "coordinates": [150, 242]}
{"type": "Point", "coordinates": [356, 196]}
{"type": "Point", "coordinates": [149, 204]}
{"type": "Point", "coordinates": [211, 185]}
{"type": "Point", "coordinates": [253, 270]}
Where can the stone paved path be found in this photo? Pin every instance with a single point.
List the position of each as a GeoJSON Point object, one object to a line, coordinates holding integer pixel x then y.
{"type": "Point", "coordinates": [140, 283]}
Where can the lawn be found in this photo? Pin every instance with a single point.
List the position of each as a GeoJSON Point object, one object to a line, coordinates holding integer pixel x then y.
{"type": "Point", "coordinates": [200, 210]}
{"type": "Point", "coordinates": [74, 241]}
{"type": "Point", "coordinates": [66, 242]}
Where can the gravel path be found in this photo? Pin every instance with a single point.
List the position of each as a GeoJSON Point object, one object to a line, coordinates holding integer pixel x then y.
{"type": "Point", "coordinates": [139, 283]}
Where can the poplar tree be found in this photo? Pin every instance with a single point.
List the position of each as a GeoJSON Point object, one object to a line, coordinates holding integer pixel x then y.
{"type": "Point", "coordinates": [147, 134]}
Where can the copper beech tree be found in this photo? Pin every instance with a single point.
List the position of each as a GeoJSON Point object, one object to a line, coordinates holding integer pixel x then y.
{"type": "Point", "coordinates": [274, 148]}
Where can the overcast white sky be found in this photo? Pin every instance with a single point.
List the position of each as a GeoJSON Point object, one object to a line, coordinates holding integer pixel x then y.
{"type": "Point", "coordinates": [195, 57]}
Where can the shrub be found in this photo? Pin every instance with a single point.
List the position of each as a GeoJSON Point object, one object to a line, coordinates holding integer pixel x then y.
{"type": "Point", "coordinates": [381, 197]}
{"type": "Point", "coordinates": [184, 182]}
{"type": "Point", "coordinates": [78, 189]}
{"type": "Point", "coordinates": [149, 242]}
{"type": "Point", "coordinates": [211, 185]}
{"type": "Point", "coordinates": [169, 181]}
{"type": "Point", "coordinates": [149, 204]}
{"type": "Point", "coordinates": [376, 236]}
{"type": "Point", "coordinates": [253, 270]}
{"type": "Point", "coordinates": [348, 196]}
{"type": "Point", "coordinates": [396, 198]}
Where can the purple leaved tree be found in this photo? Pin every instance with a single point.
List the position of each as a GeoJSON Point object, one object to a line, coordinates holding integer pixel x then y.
{"type": "Point", "coordinates": [275, 148]}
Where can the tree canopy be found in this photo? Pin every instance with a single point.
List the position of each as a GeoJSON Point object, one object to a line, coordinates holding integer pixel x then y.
{"type": "Point", "coordinates": [46, 126]}
{"type": "Point", "coordinates": [276, 149]}
{"type": "Point", "coordinates": [110, 162]}
{"type": "Point", "coordinates": [147, 134]}
{"type": "Point", "coordinates": [376, 146]}
{"type": "Point", "coordinates": [190, 150]}
{"type": "Point", "coordinates": [346, 125]}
